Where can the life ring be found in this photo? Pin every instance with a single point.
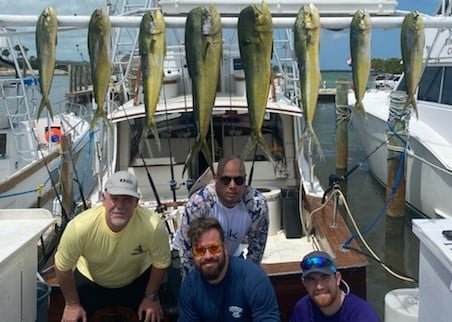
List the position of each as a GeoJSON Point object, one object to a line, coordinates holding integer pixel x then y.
{"type": "Point", "coordinates": [54, 135]}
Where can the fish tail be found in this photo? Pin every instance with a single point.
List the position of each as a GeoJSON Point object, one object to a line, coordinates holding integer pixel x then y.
{"type": "Point", "coordinates": [359, 106]}
{"type": "Point", "coordinates": [99, 115]}
{"type": "Point", "coordinates": [310, 136]}
{"type": "Point", "coordinates": [411, 101]}
{"type": "Point", "coordinates": [199, 146]}
{"type": "Point", "coordinates": [254, 140]}
{"type": "Point", "coordinates": [45, 102]}
{"type": "Point", "coordinates": [155, 132]}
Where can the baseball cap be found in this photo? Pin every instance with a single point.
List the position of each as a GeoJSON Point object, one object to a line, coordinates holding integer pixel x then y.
{"type": "Point", "coordinates": [318, 262]}
{"type": "Point", "coordinates": [122, 183]}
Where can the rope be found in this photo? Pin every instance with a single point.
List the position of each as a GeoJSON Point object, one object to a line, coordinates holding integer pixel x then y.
{"type": "Point", "coordinates": [343, 114]}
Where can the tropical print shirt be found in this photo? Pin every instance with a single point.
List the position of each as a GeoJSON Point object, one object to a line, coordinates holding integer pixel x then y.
{"type": "Point", "coordinates": [245, 223]}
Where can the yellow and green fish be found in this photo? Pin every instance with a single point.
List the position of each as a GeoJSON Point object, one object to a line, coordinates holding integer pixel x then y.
{"type": "Point", "coordinates": [46, 41]}
{"type": "Point", "coordinates": [307, 47]}
{"type": "Point", "coordinates": [360, 42]}
{"type": "Point", "coordinates": [255, 35]}
{"type": "Point", "coordinates": [203, 49]}
{"type": "Point", "coordinates": [412, 39]}
{"type": "Point", "coordinates": [152, 49]}
{"type": "Point", "coordinates": [99, 49]}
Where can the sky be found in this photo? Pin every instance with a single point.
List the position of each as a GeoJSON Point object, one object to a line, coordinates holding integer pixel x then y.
{"type": "Point", "coordinates": [334, 48]}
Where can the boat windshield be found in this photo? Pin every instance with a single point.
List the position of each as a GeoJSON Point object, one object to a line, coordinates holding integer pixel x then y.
{"type": "Point", "coordinates": [434, 85]}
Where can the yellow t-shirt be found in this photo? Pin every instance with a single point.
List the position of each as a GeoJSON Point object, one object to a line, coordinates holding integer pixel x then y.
{"type": "Point", "coordinates": [113, 259]}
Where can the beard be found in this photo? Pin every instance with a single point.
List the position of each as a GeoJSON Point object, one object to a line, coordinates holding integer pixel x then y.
{"type": "Point", "coordinates": [211, 268]}
{"type": "Point", "coordinates": [325, 298]}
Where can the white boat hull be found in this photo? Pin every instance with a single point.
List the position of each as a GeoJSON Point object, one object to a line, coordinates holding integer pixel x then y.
{"type": "Point", "coordinates": [428, 178]}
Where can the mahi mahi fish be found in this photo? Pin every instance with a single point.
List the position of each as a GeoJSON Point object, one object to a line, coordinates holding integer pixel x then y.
{"type": "Point", "coordinates": [255, 35]}
{"type": "Point", "coordinates": [99, 47]}
{"type": "Point", "coordinates": [360, 35]}
{"type": "Point", "coordinates": [412, 41]}
{"type": "Point", "coordinates": [307, 46]}
{"type": "Point", "coordinates": [203, 48]}
{"type": "Point", "coordinates": [46, 40]}
{"type": "Point", "coordinates": [152, 48]}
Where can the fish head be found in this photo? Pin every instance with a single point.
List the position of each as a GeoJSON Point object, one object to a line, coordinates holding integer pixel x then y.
{"type": "Point", "coordinates": [309, 16]}
{"type": "Point", "coordinates": [152, 23]}
{"type": "Point", "coordinates": [49, 16]}
{"type": "Point", "coordinates": [262, 17]}
{"type": "Point", "coordinates": [99, 21]}
{"type": "Point", "coordinates": [361, 20]}
{"type": "Point", "coordinates": [210, 20]}
{"type": "Point", "coordinates": [413, 21]}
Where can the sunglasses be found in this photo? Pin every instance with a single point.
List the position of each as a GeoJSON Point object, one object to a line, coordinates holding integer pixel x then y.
{"type": "Point", "coordinates": [225, 180]}
{"type": "Point", "coordinates": [214, 248]}
{"type": "Point", "coordinates": [318, 262]}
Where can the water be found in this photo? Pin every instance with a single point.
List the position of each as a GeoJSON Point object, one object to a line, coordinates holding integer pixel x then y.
{"type": "Point", "coordinates": [399, 248]}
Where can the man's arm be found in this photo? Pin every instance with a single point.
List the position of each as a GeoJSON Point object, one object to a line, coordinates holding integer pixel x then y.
{"type": "Point", "coordinates": [72, 310]}
{"type": "Point", "coordinates": [257, 235]}
{"type": "Point", "coordinates": [150, 308]}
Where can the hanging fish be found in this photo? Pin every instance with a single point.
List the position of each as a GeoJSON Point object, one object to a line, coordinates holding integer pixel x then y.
{"type": "Point", "coordinates": [307, 46]}
{"type": "Point", "coordinates": [203, 48]}
{"type": "Point", "coordinates": [360, 35]}
{"type": "Point", "coordinates": [255, 35]}
{"type": "Point", "coordinates": [99, 48]}
{"type": "Point", "coordinates": [412, 39]}
{"type": "Point", "coordinates": [46, 41]}
{"type": "Point", "coordinates": [152, 48]}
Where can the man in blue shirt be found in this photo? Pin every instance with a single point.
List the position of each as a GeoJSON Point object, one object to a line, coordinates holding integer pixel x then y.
{"type": "Point", "coordinates": [223, 288]}
{"type": "Point", "coordinates": [325, 300]}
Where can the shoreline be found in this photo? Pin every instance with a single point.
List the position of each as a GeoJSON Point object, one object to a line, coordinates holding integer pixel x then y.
{"type": "Point", "coordinates": [11, 72]}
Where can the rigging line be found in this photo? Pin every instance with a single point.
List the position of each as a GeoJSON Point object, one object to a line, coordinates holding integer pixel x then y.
{"type": "Point", "coordinates": [356, 166]}
{"type": "Point", "coordinates": [172, 182]}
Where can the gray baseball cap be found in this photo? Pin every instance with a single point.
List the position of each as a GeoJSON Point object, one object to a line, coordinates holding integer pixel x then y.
{"type": "Point", "coordinates": [122, 183]}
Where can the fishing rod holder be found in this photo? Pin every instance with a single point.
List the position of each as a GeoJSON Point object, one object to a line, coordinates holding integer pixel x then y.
{"type": "Point", "coordinates": [189, 183]}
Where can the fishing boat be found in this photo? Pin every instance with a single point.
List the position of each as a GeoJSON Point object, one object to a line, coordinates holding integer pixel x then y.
{"type": "Point", "coordinates": [427, 164]}
{"type": "Point", "coordinates": [303, 217]}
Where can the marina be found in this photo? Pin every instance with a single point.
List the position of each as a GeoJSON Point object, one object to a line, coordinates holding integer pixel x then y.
{"type": "Point", "coordinates": [303, 201]}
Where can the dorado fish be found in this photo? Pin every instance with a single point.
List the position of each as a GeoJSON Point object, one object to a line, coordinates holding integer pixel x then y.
{"type": "Point", "coordinates": [307, 46]}
{"type": "Point", "coordinates": [203, 48]}
{"type": "Point", "coordinates": [255, 35]}
{"type": "Point", "coordinates": [99, 47]}
{"type": "Point", "coordinates": [360, 34]}
{"type": "Point", "coordinates": [412, 41]}
{"type": "Point", "coordinates": [46, 40]}
{"type": "Point", "coordinates": [152, 48]}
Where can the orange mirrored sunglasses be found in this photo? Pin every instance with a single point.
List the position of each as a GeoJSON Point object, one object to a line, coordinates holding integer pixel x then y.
{"type": "Point", "coordinates": [214, 248]}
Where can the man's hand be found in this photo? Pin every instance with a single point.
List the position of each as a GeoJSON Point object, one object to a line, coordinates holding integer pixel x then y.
{"type": "Point", "coordinates": [150, 311]}
{"type": "Point", "coordinates": [73, 313]}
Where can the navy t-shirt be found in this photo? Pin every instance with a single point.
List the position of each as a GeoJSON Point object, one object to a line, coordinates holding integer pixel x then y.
{"type": "Point", "coordinates": [245, 294]}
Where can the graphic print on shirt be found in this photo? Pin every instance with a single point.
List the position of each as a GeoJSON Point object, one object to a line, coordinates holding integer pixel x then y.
{"type": "Point", "coordinates": [137, 250]}
{"type": "Point", "coordinates": [236, 311]}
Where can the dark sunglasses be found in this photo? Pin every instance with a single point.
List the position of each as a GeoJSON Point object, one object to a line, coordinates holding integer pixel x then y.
{"type": "Point", "coordinates": [225, 180]}
{"type": "Point", "coordinates": [214, 248]}
{"type": "Point", "coordinates": [317, 262]}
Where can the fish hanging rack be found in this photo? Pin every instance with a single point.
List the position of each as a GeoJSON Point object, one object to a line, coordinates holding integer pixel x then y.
{"type": "Point", "coordinates": [334, 23]}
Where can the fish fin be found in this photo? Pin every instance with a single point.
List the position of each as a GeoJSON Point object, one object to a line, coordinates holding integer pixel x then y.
{"type": "Point", "coordinates": [45, 102]}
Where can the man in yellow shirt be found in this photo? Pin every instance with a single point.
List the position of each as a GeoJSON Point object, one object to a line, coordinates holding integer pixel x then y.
{"type": "Point", "coordinates": [115, 254]}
